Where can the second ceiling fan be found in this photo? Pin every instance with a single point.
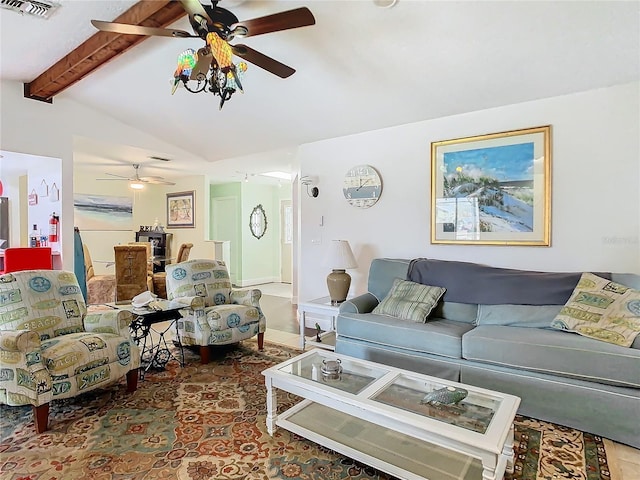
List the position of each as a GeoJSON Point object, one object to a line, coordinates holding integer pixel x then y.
{"type": "Point", "coordinates": [137, 182]}
{"type": "Point", "coordinates": [211, 67]}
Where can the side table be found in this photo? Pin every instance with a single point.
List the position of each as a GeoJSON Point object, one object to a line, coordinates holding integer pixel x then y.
{"type": "Point", "coordinates": [154, 348]}
{"type": "Point", "coordinates": [319, 306]}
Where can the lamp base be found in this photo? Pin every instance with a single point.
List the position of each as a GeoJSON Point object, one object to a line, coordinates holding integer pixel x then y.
{"type": "Point", "coordinates": [338, 283]}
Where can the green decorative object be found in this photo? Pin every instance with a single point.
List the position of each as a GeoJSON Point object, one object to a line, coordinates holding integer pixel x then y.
{"type": "Point", "coordinates": [318, 330]}
{"type": "Point", "coordinates": [445, 396]}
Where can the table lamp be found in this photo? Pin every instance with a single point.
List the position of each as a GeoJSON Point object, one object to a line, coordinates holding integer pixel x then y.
{"type": "Point", "coordinates": [339, 258]}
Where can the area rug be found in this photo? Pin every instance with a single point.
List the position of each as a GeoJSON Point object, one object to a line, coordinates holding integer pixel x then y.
{"type": "Point", "coordinates": [208, 422]}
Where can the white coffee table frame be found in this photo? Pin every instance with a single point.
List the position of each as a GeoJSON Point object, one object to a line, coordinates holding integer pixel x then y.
{"type": "Point", "coordinates": [319, 306]}
{"type": "Point", "coordinates": [494, 447]}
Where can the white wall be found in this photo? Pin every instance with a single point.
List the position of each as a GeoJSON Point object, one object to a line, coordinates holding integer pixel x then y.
{"type": "Point", "coordinates": [148, 204]}
{"type": "Point", "coordinates": [21, 174]}
{"type": "Point", "coordinates": [595, 189]}
{"type": "Point", "coordinates": [44, 129]}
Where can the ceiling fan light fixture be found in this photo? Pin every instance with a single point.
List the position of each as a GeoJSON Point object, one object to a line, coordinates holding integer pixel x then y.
{"type": "Point", "coordinates": [239, 32]}
{"type": "Point", "coordinates": [384, 3]}
{"type": "Point", "coordinates": [136, 185]}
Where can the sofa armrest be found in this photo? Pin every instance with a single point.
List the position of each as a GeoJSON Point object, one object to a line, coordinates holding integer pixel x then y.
{"type": "Point", "coordinates": [23, 375]}
{"type": "Point", "coordinates": [361, 304]}
{"type": "Point", "coordinates": [109, 321]}
{"type": "Point", "coordinates": [246, 296]}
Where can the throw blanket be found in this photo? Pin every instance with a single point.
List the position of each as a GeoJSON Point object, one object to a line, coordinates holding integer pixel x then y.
{"type": "Point", "coordinates": [475, 283]}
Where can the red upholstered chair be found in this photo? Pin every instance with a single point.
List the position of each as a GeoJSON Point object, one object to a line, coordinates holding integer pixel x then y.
{"type": "Point", "coordinates": [22, 258]}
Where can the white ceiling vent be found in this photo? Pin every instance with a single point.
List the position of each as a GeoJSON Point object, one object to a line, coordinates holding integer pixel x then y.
{"type": "Point", "coordinates": [39, 8]}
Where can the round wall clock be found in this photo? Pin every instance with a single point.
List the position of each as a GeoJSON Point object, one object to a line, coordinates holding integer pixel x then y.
{"type": "Point", "coordinates": [362, 186]}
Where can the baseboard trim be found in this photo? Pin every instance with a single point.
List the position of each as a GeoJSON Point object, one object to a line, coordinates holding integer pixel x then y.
{"type": "Point", "coordinates": [251, 282]}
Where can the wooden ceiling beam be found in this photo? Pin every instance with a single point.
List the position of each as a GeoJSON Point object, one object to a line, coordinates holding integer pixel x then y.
{"type": "Point", "coordinates": [101, 48]}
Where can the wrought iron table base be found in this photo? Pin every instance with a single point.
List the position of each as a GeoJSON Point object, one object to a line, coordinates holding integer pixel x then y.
{"type": "Point", "coordinates": [155, 353]}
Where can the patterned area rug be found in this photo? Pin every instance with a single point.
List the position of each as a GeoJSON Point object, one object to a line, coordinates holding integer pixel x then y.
{"type": "Point", "coordinates": [208, 422]}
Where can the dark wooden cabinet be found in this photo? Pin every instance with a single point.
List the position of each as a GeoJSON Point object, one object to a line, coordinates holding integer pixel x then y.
{"type": "Point", "coordinates": [161, 246]}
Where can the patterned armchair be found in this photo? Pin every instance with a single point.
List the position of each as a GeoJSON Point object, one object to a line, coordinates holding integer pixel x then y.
{"type": "Point", "coordinates": [50, 348]}
{"type": "Point", "coordinates": [229, 315]}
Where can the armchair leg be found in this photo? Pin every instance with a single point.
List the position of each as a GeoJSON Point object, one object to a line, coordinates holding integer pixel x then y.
{"type": "Point", "coordinates": [204, 354]}
{"type": "Point", "coordinates": [261, 341]}
{"type": "Point", "coordinates": [132, 380]}
{"type": "Point", "coordinates": [41, 417]}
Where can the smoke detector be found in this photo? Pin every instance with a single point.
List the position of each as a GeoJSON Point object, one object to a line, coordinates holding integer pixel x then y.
{"type": "Point", "coordinates": [36, 8]}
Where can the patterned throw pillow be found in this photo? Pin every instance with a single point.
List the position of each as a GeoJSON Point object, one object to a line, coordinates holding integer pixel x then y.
{"type": "Point", "coordinates": [410, 301]}
{"type": "Point", "coordinates": [601, 309]}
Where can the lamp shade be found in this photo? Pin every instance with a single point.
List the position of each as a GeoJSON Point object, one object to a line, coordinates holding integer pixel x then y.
{"type": "Point", "coordinates": [340, 256]}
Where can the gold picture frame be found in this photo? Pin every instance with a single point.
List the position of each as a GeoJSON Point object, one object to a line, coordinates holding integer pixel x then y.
{"type": "Point", "coordinates": [492, 189]}
{"type": "Point", "coordinates": [181, 210]}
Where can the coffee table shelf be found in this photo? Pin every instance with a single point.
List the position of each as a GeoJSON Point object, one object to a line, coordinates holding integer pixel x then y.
{"type": "Point", "coordinates": [382, 448]}
{"type": "Point", "coordinates": [370, 397]}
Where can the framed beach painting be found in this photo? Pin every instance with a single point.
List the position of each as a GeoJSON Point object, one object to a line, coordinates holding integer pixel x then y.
{"type": "Point", "coordinates": [102, 212]}
{"type": "Point", "coordinates": [492, 189]}
{"type": "Point", "coordinates": [181, 210]}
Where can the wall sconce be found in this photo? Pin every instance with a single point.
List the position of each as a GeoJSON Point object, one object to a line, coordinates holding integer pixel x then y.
{"type": "Point", "coordinates": [307, 181]}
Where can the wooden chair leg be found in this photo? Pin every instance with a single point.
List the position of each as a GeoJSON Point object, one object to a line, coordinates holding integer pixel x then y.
{"type": "Point", "coordinates": [41, 417]}
{"type": "Point", "coordinates": [132, 380]}
{"type": "Point", "coordinates": [261, 341]}
{"type": "Point", "coordinates": [204, 354]}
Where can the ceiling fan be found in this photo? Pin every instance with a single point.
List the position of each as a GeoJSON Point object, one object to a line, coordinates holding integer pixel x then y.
{"type": "Point", "coordinates": [137, 182]}
{"type": "Point", "coordinates": [212, 65]}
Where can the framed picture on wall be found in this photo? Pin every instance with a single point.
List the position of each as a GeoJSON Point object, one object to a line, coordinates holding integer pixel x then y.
{"type": "Point", "coordinates": [181, 210]}
{"type": "Point", "coordinates": [492, 189]}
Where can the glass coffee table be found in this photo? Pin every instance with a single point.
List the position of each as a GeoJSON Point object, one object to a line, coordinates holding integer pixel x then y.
{"type": "Point", "coordinates": [376, 414]}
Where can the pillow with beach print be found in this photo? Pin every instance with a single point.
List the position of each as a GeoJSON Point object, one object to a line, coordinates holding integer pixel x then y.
{"type": "Point", "coordinates": [601, 309]}
{"type": "Point", "coordinates": [409, 301]}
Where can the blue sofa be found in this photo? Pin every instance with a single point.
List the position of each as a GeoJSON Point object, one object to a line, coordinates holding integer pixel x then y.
{"type": "Point", "coordinates": [492, 329]}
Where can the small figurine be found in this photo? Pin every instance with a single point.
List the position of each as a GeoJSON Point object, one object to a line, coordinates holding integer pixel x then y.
{"type": "Point", "coordinates": [318, 330]}
{"type": "Point", "coordinates": [445, 396]}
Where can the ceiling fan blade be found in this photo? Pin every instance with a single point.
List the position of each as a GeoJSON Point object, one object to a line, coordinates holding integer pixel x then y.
{"type": "Point", "coordinates": [119, 177]}
{"type": "Point", "coordinates": [156, 181]}
{"type": "Point", "coordinates": [299, 17]}
{"type": "Point", "coordinates": [128, 29]}
{"type": "Point", "coordinates": [193, 7]}
{"type": "Point", "coordinates": [262, 61]}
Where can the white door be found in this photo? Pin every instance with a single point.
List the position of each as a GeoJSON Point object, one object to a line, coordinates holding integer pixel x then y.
{"type": "Point", "coordinates": [286, 241]}
{"type": "Point", "coordinates": [224, 218]}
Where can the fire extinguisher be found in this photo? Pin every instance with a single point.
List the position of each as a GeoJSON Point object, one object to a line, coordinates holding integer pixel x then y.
{"type": "Point", "coordinates": [54, 223]}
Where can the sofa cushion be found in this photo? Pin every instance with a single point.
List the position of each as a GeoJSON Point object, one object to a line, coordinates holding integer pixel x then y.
{"type": "Point", "coordinates": [475, 283]}
{"type": "Point", "coordinates": [382, 273]}
{"type": "Point", "coordinates": [603, 310]}
{"type": "Point", "coordinates": [409, 301]}
{"type": "Point", "coordinates": [460, 312]}
{"type": "Point", "coordinates": [553, 352]}
{"type": "Point", "coordinates": [532, 316]}
{"type": "Point", "coordinates": [437, 336]}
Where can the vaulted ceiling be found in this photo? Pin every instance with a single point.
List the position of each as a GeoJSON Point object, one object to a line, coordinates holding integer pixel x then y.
{"type": "Point", "coordinates": [359, 68]}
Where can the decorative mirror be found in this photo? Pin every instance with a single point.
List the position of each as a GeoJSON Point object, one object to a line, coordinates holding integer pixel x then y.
{"type": "Point", "coordinates": [258, 222]}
